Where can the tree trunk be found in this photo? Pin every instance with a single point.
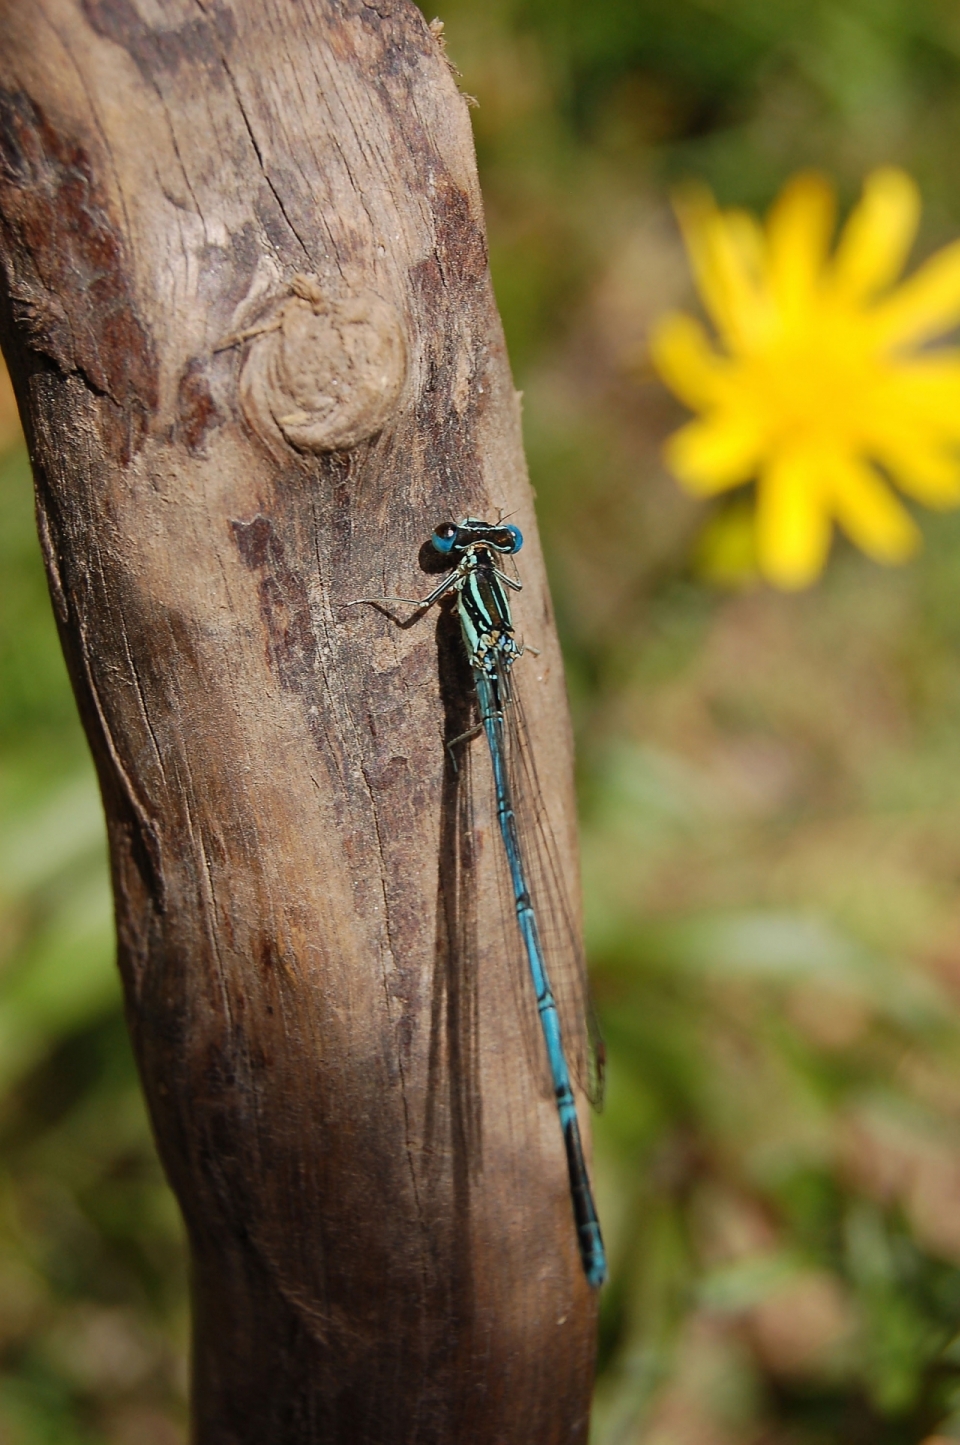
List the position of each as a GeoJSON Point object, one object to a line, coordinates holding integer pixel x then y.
{"type": "Point", "coordinates": [248, 315]}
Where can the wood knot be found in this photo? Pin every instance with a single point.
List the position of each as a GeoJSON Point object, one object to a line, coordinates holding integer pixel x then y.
{"type": "Point", "coordinates": [321, 374]}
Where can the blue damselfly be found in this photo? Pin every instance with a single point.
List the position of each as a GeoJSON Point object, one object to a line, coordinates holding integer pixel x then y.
{"type": "Point", "coordinates": [472, 548]}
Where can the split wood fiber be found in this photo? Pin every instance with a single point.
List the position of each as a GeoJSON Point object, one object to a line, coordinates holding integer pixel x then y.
{"type": "Point", "coordinates": [248, 314]}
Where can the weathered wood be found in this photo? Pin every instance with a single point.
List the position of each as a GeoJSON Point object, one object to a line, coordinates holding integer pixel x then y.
{"type": "Point", "coordinates": [247, 311]}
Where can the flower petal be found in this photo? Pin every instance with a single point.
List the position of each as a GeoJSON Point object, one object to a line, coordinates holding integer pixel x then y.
{"type": "Point", "coordinates": [711, 455]}
{"type": "Point", "coordinates": [793, 524]}
{"type": "Point", "coordinates": [927, 305]}
{"type": "Point", "coordinates": [869, 513]}
{"type": "Point", "coordinates": [923, 470]}
{"type": "Point", "coordinates": [748, 242]}
{"type": "Point", "coordinates": [686, 361]}
{"type": "Point", "coordinates": [799, 226]}
{"type": "Point", "coordinates": [919, 395]}
{"type": "Point", "coordinates": [724, 274]}
{"type": "Point", "coordinates": [876, 240]}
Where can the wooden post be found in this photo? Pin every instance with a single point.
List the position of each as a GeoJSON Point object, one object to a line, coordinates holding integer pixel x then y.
{"type": "Point", "coordinates": [248, 316]}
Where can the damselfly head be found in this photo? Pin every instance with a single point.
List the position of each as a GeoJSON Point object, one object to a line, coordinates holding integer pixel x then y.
{"type": "Point", "coordinates": [452, 537]}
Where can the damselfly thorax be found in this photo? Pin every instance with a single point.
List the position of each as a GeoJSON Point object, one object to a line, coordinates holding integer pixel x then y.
{"type": "Point", "coordinates": [485, 614]}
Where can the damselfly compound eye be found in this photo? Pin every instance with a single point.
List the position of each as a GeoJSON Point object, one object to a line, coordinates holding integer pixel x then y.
{"type": "Point", "coordinates": [444, 537]}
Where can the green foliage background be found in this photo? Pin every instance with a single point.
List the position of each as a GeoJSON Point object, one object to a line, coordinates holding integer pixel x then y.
{"type": "Point", "coordinates": [770, 800]}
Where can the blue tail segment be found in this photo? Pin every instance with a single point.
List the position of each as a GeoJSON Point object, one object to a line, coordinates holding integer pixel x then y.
{"type": "Point", "coordinates": [584, 1212]}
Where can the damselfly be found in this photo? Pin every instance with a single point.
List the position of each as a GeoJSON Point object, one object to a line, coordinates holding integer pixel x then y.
{"type": "Point", "coordinates": [486, 622]}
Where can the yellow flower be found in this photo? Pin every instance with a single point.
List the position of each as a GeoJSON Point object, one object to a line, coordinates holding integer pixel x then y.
{"type": "Point", "coordinates": [823, 391]}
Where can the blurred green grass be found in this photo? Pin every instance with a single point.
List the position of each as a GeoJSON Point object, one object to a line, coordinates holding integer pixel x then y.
{"type": "Point", "coordinates": [770, 797]}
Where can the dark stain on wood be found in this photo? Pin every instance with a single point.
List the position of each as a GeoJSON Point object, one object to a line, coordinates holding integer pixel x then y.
{"type": "Point", "coordinates": [71, 294]}
{"type": "Point", "coordinates": [285, 609]}
{"type": "Point", "coordinates": [268, 954]}
{"type": "Point", "coordinates": [197, 412]}
{"type": "Point", "coordinates": [155, 49]}
{"type": "Point", "coordinates": [254, 540]}
{"type": "Point", "coordinates": [460, 243]}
